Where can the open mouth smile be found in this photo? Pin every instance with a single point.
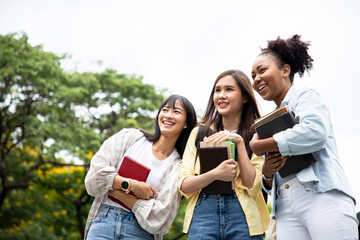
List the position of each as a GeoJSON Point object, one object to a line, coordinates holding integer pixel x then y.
{"type": "Point", "coordinates": [262, 87]}
{"type": "Point", "coordinates": [168, 123]}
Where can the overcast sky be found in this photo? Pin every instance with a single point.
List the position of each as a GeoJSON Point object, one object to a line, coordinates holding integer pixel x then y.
{"type": "Point", "coordinates": [185, 45]}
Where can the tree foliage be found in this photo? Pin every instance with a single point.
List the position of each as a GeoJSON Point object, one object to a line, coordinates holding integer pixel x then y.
{"type": "Point", "coordinates": [51, 123]}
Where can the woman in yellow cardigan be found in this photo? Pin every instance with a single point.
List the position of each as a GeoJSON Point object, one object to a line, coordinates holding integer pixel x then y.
{"type": "Point", "coordinates": [230, 113]}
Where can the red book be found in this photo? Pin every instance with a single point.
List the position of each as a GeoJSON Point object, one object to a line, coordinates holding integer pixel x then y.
{"type": "Point", "coordinates": [132, 169]}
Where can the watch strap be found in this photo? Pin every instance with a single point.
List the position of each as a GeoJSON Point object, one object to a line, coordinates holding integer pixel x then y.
{"type": "Point", "coordinates": [266, 178]}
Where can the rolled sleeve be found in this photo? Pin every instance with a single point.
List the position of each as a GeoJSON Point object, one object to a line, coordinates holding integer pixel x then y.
{"type": "Point", "coordinates": [312, 131]}
{"type": "Point", "coordinates": [280, 139]}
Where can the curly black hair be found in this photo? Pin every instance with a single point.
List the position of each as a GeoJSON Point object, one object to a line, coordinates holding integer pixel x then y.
{"type": "Point", "coordinates": [291, 51]}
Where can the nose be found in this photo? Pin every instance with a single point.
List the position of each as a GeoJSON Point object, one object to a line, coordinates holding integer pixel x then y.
{"type": "Point", "coordinates": [222, 94]}
{"type": "Point", "coordinates": [169, 113]}
{"type": "Point", "coordinates": [257, 79]}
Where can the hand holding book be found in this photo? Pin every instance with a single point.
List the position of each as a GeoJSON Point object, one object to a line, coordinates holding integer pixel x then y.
{"type": "Point", "coordinates": [142, 190]}
{"type": "Point", "coordinates": [136, 171]}
{"type": "Point", "coordinates": [217, 157]}
{"type": "Point", "coordinates": [273, 163]}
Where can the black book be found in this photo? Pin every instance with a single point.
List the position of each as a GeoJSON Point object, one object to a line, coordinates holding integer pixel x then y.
{"type": "Point", "coordinates": [277, 121]}
{"type": "Point", "coordinates": [210, 158]}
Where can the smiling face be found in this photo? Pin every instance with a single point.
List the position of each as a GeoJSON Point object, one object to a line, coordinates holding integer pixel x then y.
{"type": "Point", "coordinates": [172, 120]}
{"type": "Point", "coordinates": [228, 99]}
{"type": "Point", "coordinates": [270, 81]}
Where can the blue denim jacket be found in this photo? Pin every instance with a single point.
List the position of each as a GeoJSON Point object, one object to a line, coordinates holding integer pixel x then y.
{"type": "Point", "coordinates": [314, 134]}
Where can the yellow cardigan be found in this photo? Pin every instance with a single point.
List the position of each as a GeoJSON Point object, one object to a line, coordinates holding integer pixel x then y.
{"type": "Point", "coordinates": [251, 200]}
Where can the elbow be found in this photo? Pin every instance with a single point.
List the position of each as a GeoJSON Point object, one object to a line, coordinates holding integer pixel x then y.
{"type": "Point", "coordinates": [91, 190]}
{"type": "Point", "coordinates": [320, 138]}
{"type": "Point", "coordinates": [256, 149]}
{"type": "Point", "coordinates": [183, 186]}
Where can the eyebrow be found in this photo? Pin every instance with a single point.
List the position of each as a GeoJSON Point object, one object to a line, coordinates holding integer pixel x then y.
{"type": "Point", "coordinates": [218, 86]}
{"type": "Point", "coordinates": [257, 68]}
{"type": "Point", "coordinates": [179, 108]}
{"type": "Point", "coordinates": [260, 65]}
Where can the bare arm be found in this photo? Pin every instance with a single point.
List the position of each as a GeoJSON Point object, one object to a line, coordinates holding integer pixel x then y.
{"type": "Point", "coordinates": [141, 190]}
{"type": "Point", "coordinates": [126, 199]}
{"type": "Point", "coordinates": [247, 170]}
{"type": "Point", "coordinates": [262, 146]}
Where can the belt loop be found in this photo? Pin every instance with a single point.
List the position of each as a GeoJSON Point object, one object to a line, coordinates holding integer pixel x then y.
{"type": "Point", "coordinates": [106, 209]}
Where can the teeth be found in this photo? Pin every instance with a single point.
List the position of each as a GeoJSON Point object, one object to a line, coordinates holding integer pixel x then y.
{"type": "Point", "coordinates": [168, 123]}
{"type": "Point", "coordinates": [262, 87]}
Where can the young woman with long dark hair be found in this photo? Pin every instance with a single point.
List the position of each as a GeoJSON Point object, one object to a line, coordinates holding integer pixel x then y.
{"type": "Point", "coordinates": [243, 214]}
{"type": "Point", "coordinates": [156, 201]}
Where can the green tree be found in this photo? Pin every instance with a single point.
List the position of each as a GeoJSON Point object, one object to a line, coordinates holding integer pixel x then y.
{"type": "Point", "coordinates": [51, 123]}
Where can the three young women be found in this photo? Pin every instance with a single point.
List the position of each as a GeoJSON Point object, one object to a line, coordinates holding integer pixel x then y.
{"type": "Point", "coordinates": [317, 202]}
{"type": "Point", "coordinates": [230, 113]}
{"type": "Point", "coordinates": [156, 201]}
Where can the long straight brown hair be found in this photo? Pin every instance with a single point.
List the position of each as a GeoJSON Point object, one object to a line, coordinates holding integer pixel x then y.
{"type": "Point", "coordinates": [249, 113]}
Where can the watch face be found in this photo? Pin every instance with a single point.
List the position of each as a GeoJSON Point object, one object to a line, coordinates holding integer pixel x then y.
{"type": "Point", "coordinates": [125, 185]}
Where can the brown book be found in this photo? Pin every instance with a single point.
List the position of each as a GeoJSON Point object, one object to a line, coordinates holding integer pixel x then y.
{"type": "Point", "coordinates": [277, 112]}
{"type": "Point", "coordinates": [210, 158]}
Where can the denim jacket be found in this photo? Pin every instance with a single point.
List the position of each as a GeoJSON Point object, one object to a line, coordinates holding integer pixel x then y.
{"type": "Point", "coordinates": [314, 134]}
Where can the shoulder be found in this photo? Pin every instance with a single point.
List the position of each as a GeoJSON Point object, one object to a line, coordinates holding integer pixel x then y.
{"type": "Point", "coordinates": [130, 132]}
{"type": "Point", "coordinates": [194, 132]}
{"type": "Point", "coordinates": [300, 92]}
{"type": "Point", "coordinates": [126, 134]}
{"type": "Point", "coordinates": [304, 96]}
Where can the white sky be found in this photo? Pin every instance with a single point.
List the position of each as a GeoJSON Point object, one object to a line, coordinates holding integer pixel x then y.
{"type": "Point", "coordinates": [185, 45]}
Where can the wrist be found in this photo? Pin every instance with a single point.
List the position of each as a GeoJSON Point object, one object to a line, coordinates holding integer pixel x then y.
{"type": "Point", "coordinates": [125, 185]}
{"type": "Point", "coordinates": [267, 178]}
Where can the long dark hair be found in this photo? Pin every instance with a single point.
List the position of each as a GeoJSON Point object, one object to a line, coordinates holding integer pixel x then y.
{"type": "Point", "coordinates": [249, 113]}
{"type": "Point", "coordinates": [291, 51]}
{"type": "Point", "coordinates": [191, 121]}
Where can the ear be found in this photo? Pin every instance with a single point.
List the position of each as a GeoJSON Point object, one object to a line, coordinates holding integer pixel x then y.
{"type": "Point", "coordinates": [244, 100]}
{"type": "Point", "coordinates": [286, 70]}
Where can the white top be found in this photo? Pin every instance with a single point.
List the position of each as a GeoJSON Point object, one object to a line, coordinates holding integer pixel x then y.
{"type": "Point", "coordinates": [154, 215]}
{"type": "Point", "coordinates": [233, 131]}
{"type": "Point", "coordinates": [141, 151]}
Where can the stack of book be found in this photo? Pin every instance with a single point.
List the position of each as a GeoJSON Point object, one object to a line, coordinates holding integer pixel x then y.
{"type": "Point", "coordinates": [280, 120]}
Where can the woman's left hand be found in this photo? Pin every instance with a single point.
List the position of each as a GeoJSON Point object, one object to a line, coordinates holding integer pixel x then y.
{"type": "Point", "coordinates": [222, 136]}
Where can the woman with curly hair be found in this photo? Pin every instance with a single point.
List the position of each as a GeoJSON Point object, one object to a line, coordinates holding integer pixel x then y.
{"type": "Point", "coordinates": [316, 202]}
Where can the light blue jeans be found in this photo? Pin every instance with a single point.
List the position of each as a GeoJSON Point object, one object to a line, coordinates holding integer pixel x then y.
{"type": "Point", "coordinates": [219, 218]}
{"type": "Point", "coordinates": [115, 223]}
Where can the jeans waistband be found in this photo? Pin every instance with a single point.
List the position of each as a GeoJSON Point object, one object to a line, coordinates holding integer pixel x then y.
{"type": "Point", "coordinates": [221, 195]}
{"type": "Point", "coordinates": [280, 181]}
{"type": "Point", "coordinates": [118, 211]}
{"type": "Point", "coordinates": [289, 180]}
